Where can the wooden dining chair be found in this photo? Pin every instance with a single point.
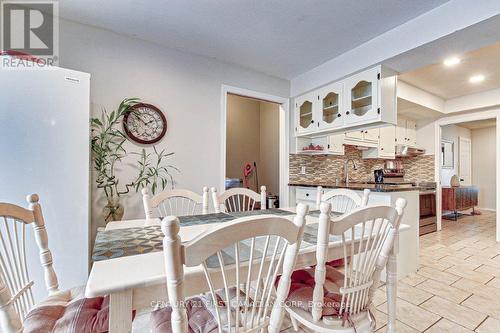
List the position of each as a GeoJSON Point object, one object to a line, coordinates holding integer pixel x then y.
{"type": "Point", "coordinates": [238, 199]}
{"type": "Point", "coordinates": [175, 203]}
{"type": "Point", "coordinates": [249, 251]}
{"type": "Point", "coordinates": [18, 311]}
{"type": "Point", "coordinates": [342, 200]}
{"type": "Point", "coordinates": [341, 298]}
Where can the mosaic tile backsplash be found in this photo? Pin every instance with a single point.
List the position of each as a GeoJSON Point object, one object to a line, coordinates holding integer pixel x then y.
{"type": "Point", "coordinates": [330, 167]}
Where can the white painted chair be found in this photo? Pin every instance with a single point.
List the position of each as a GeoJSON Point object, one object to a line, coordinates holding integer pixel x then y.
{"type": "Point", "coordinates": [278, 238]}
{"type": "Point", "coordinates": [16, 296]}
{"type": "Point", "coordinates": [238, 199]}
{"type": "Point", "coordinates": [175, 203]}
{"type": "Point", "coordinates": [342, 200]}
{"type": "Point", "coordinates": [361, 276]}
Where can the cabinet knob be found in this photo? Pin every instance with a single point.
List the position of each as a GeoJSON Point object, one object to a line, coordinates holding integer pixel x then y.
{"type": "Point", "coordinates": [312, 121]}
{"type": "Point", "coordinates": [366, 132]}
{"type": "Point", "coordinates": [347, 112]}
{"type": "Point", "coordinates": [307, 194]}
{"type": "Point", "coordinates": [339, 115]}
{"type": "Point", "coordinates": [381, 148]}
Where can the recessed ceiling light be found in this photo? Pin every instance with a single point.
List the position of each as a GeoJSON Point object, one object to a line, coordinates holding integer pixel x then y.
{"type": "Point", "coordinates": [476, 78]}
{"type": "Point", "coordinates": [452, 61]}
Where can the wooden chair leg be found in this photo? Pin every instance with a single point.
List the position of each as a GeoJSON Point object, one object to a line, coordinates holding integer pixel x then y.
{"type": "Point", "coordinates": [295, 324]}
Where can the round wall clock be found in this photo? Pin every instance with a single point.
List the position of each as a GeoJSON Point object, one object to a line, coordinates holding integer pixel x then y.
{"type": "Point", "coordinates": [145, 123]}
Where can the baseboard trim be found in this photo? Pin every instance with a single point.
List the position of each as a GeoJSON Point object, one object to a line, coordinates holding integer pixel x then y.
{"type": "Point", "coordinates": [486, 209]}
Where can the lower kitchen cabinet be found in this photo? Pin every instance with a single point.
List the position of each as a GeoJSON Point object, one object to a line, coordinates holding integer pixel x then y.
{"type": "Point", "coordinates": [307, 196]}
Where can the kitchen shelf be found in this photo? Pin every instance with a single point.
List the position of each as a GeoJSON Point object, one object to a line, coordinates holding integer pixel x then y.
{"type": "Point", "coordinates": [362, 101]}
{"type": "Point", "coordinates": [313, 152]}
{"type": "Point", "coordinates": [330, 107]}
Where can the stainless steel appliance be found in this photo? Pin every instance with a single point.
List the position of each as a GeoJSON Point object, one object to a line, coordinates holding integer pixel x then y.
{"type": "Point", "coordinates": [406, 151]}
{"type": "Point", "coordinates": [427, 207]}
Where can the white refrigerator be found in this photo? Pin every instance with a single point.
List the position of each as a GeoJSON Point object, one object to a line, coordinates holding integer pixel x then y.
{"type": "Point", "coordinates": [44, 149]}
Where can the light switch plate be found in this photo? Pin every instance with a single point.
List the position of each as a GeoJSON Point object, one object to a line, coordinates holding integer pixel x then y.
{"type": "Point", "coordinates": [302, 170]}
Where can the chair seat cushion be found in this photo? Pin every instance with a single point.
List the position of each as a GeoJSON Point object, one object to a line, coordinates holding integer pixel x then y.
{"type": "Point", "coordinates": [69, 311]}
{"type": "Point", "coordinates": [201, 313]}
{"type": "Point", "coordinates": [302, 289]}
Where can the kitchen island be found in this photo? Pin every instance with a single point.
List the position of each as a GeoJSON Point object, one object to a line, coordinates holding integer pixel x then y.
{"type": "Point", "coordinates": [381, 194]}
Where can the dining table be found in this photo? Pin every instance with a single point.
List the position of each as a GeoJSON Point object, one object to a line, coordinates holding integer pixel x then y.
{"type": "Point", "coordinates": [128, 262]}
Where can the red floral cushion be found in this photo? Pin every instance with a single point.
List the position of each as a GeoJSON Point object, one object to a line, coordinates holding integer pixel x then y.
{"type": "Point", "coordinates": [302, 289]}
{"type": "Point", "coordinates": [66, 312]}
{"type": "Point", "coordinates": [69, 312]}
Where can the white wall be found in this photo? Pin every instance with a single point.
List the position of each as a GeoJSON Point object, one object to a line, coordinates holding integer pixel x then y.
{"type": "Point", "coordinates": [242, 136]}
{"type": "Point", "coordinates": [186, 87]}
{"type": "Point", "coordinates": [452, 133]}
{"type": "Point", "coordinates": [269, 168]}
{"type": "Point", "coordinates": [484, 165]}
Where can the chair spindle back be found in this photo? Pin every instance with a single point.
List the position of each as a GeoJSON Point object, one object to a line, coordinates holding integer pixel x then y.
{"type": "Point", "coordinates": [363, 258]}
{"type": "Point", "coordinates": [175, 203]}
{"type": "Point", "coordinates": [342, 200]}
{"type": "Point", "coordinates": [16, 295]}
{"type": "Point", "coordinates": [238, 199]}
{"type": "Point", "coordinates": [242, 259]}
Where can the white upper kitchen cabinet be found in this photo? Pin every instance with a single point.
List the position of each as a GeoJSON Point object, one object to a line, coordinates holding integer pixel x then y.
{"type": "Point", "coordinates": [336, 144]}
{"type": "Point", "coordinates": [362, 101]}
{"type": "Point", "coordinates": [406, 132]}
{"type": "Point", "coordinates": [371, 135]}
{"type": "Point", "coordinates": [329, 107]}
{"type": "Point", "coordinates": [361, 97]}
{"type": "Point", "coordinates": [304, 113]}
{"type": "Point", "coordinates": [411, 132]}
{"type": "Point", "coordinates": [386, 147]}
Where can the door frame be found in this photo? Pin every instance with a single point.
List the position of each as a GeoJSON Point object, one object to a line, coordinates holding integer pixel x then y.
{"type": "Point", "coordinates": [460, 139]}
{"type": "Point", "coordinates": [284, 143]}
{"type": "Point", "coordinates": [456, 119]}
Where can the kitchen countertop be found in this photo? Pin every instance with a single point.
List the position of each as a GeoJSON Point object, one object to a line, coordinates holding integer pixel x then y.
{"type": "Point", "coordinates": [359, 186]}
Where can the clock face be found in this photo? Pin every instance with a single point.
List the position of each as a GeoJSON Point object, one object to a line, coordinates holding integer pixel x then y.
{"type": "Point", "coordinates": [145, 124]}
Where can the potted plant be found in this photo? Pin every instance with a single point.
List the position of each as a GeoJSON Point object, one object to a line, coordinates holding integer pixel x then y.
{"type": "Point", "coordinates": [108, 151]}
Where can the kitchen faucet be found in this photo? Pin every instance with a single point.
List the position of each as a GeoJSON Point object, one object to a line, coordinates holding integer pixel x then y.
{"type": "Point", "coordinates": [346, 169]}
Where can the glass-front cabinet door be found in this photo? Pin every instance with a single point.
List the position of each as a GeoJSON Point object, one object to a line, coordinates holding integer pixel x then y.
{"type": "Point", "coordinates": [304, 113]}
{"type": "Point", "coordinates": [330, 106]}
{"type": "Point", "coordinates": [361, 97]}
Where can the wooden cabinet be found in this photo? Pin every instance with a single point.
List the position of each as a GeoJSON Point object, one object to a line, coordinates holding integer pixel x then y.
{"type": "Point", "coordinates": [455, 199]}
{"type": "Point", "coordinates": [406, 132]}
{"type": "Point", "coordinates": [329, 107]}
{"type": "Point", "coordinates": [307, 196]}
{"type": "Point", "coordinates": [371, 135]}
{"type": "Point", "coordinates": [361, 97]}
{"type": "Point", "coordinates": [336, 144]}
{"type": "Point", "coordinates": [304, 113]}
{"type": "Point", "coordinates": [366, 138]}
{"type": "Point", "coordinates": [354, 136]}
{"type": "Point", "coordinates": [385, 146]}
{"type": "Point", "coordinates": [366, 98]}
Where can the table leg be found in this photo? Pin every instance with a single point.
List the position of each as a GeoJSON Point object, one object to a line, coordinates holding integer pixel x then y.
{"type": "Point", "coordinates": [392, 280]}
{"type": "Point", "coordinates": [120, 312]}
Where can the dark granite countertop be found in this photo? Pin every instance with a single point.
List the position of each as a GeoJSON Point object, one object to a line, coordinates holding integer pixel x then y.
{"type": "Point", "coordinates": [359, 186]}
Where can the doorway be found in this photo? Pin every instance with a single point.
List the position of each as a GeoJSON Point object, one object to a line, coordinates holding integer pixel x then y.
{"type": "Point", "coordinates": [469, 150]}
{"type": "Point", "coordinates": [254, 142]}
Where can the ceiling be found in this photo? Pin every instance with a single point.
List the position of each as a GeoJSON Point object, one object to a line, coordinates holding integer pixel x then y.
{"type": "Point", "coordinates": [478, 124]}
{"type": "Point", "coordinates": [415, 111]}
{"type": "Point", "coordinates": [280, 38]}
{"type": "Point", "coordinates": [451, 82]}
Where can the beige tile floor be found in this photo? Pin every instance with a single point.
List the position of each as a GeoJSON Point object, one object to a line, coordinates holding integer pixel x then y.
{"type": "Point", "coordinates": [456, 289]}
